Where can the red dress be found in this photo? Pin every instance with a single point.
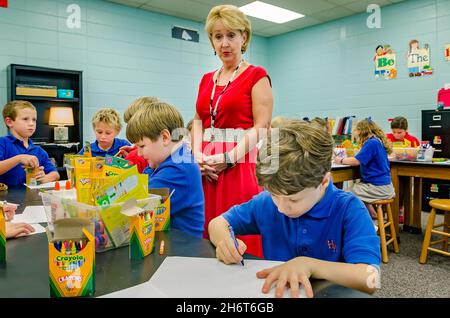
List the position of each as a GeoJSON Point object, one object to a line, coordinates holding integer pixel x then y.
{"type": "Point", "coordinates": [238, 184]}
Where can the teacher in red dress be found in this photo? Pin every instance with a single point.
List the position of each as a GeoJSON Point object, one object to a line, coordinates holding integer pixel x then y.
{"type": "Point", "coordinates": [234, 103]}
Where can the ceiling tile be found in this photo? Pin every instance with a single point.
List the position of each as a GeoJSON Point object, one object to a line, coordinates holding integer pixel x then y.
{"type": "Point", "coordinates": [333, 14]}
{"type": "Point", "coordinates": [302, 6]}
{"type": "Point", "coordinates": [342, 2]}
{"type": "Point", "coordinates": [131, 3]}
{"type": "Point", "coordinates": [361, 6]}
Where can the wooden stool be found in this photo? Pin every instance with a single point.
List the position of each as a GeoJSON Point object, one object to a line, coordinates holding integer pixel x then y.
{"type": "Point", "coordinates": [382, 225]}
{"type": "Point", "coordinates": [437, 204]}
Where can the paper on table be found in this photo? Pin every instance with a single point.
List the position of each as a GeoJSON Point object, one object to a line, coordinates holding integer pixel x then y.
{"type": "Point", "coordinates": [31, 214]}
{"type": "Point", "coordinates": [180, 277]}
{"type": "Point", "coordinates": [37, 229]}
{"type": "Point", "coordinates": [48, 185]}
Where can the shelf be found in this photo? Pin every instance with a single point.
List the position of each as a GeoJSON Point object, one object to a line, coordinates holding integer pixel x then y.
{"type": "Point", "coordinates": [49, 99]}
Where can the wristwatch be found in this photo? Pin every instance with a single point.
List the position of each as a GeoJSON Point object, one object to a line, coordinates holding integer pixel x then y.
{"type": "Point", "coordinates": [228, 161]}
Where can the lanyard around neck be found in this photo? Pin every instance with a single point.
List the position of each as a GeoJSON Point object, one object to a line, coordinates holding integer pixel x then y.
{"type": "Point", "coordinates": [212, 111]}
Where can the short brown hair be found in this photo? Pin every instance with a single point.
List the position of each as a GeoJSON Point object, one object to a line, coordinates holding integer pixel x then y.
{"type": "Point", "coordinates": [136, 105]}
{"type": "Point", "coordinates": [399, 123]}
{"type": "Point", "coordinates": [107, 116]}
{"type": "Point", "coordinates": [232, 18]}
{"type": "Point", "coordinates": [10, 108]}
{"type": "Point", "coordinates": [152, 120]}
{"type": "Point", "coordinates": [304, 151]}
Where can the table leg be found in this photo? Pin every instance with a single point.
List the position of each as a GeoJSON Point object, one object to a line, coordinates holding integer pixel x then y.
{"type": "Point", "coordinates": [395, 210]}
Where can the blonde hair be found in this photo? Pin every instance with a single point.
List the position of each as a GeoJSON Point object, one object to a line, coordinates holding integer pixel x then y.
{"type": "Point", "coordinates": [136, 105]}
{"type": "Point", "coordinates": [108, 116]}
{"type": "Point", "coordinates": [233, 19]}
{"type": "Point", "coordinates": [320, 122]}
{"type": "Point", "coordinates": [278, 121]}
{"type": "Point", "coordinates": [368, 128]}
{"type": "Point", "coordinates": [152, 120]}
{"type": "Point", "coordinates": [304, 151]}
{"type": "Point", "coordinates": [10, 109]}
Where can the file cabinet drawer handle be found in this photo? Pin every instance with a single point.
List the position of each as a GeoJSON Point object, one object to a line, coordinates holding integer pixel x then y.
{"type": "Point", "coordinates": [435, 126]}
{"type": "Point", "coordinates": [437, 150]}
{"type": "Point", "coordinates": [437, 117]}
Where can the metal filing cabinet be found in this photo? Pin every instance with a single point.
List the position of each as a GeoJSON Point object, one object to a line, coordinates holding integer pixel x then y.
{"type": "Point", "coordinates": [436, 130]}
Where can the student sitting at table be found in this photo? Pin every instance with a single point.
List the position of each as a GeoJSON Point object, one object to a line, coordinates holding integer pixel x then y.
{"type": "Point", "coordinates": [17, 149]}
{"type": "Point", "coordinates": [14, 229]}
{"type": "Point", "coordinates": [130, 153]}
{"type": "Point", "coordinates": [400, 136]}
{"type": "Point", "coordinates": [319, 231]}
{"type": "Point", "coordinates": [157, 131]}
{"type": "Point", "coordinates": [107, 126]}
{"type": "Point", "coordinates": [374, 164]}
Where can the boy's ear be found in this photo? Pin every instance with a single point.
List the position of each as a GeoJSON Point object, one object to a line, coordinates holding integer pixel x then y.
{"type": "Point", "coordinates": [326, 179]}
{"type": "Point", "coordinates": [166, 136]}
{"type": "Point", "coordinates": [8, 121]}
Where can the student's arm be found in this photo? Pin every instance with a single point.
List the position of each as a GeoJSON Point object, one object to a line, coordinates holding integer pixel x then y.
{"type": "Point", "coordinates": [27, 160]}
{"type": "Point", "coordinates": [52, 176]}
{"type": "Point", "coordinates": [18, 229]}
{"type": "Point", "coordinates": [220, 236]}
{"type": "Point", "coordinates": [352, 161]}
{"type": "Point", "coordinates": [49, 172]}
{"type": "Point", "coordinates": [300, 269]}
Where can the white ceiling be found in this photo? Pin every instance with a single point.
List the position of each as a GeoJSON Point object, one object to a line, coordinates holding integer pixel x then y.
{"type": "Point", "coordinates": [315, 11]}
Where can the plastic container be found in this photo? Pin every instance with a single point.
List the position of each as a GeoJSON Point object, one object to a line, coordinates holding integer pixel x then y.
{"type": "Point", "coordinates": [405, 154]}
{"type": "Point", "coordinates": [112, 228]}
{"type": "Point", "coordinates": [65, 93]}
{"type": "Point", "coordinates": [425, 155]}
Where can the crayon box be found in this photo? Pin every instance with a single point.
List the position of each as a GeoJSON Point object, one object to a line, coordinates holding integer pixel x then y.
{"type": "Point", "coordinates": [162, 211]}
{"type": "Point", "coordinates": [71, 252]}
{"type": "Point", "coordinates": [2, 236]}
{"type": "Point", "coordinates": [142, 228]}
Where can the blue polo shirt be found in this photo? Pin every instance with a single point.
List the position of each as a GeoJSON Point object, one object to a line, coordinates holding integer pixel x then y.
{"type": "Point", "coordinates": [97, 152]}
{"type": "Point", "coordinates": [337, 229]}
{"type": "Point", "coordinates": [10, 147]}
{"type": "Point", "coordinates": [374, 163]}
{"type": "Point", "coordinates": [180, 172]}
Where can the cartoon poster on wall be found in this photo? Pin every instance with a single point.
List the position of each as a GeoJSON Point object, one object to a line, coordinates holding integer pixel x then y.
{"type": "Point", "coordinates": [418, 59]}
{"type": "Point", "coordinates": [384, 60]}
{"type": "Point", "coordinates": [447, 52]}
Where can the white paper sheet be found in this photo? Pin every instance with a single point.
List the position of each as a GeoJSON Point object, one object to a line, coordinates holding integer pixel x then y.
{"type": "Point", "coordinates": [37, 229]}
{"type": "Point", "coordinates": [31, 214]}
{"type": "Point", "coordinates": [48, 185]}
{"type": "Point", "coordinates": [193, 277]}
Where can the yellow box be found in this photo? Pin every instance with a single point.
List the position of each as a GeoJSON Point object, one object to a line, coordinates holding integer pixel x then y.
{"type": "Point", "coordinates": [71, 265]}
{"type": "Point", "coordinates": [2, 236]}
{"type": "Point", "coordinates": [142, 228]}
{"type": "Point", "coordinates": [30, 176]}
{"type": "Point", "coordinates": [162, 212]}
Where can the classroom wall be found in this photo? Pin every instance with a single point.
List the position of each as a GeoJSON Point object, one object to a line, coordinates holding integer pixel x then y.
{"type": "Point", "coordinates": [327, 70]}
{"type": "Point", "coordinates": [124, 52]}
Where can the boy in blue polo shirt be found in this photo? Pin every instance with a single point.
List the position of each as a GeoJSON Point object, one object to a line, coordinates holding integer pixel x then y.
{"type": "Point", "coordinates": [318, 230]}
{"type": "Point", "coordinates": [155, 130]}
{"type": "Point", "coordinates": [17, 149]}
{"type": "Point", "coordinates": [107, 126]}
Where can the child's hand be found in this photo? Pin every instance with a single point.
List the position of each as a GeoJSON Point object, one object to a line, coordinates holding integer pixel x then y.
{"type": "Point", "coordinates": [227, 252]}
{"type": "Point", "coordinates": [18, 229]}
{"type": "Point", "coordinates": [125, 150]}
{"type": "Point", "coordinates": [28, 160]}
{"type": "Point", "coordinates": [294, 272]}
{"type": "Point", "coordinates": [40, 175]}
{"type": "Point", "coordinates": [10, 210]}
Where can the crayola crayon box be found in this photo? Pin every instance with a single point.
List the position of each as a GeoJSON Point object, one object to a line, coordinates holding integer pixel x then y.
{"type": "Point", "coordinates": [162, 211]}
{"type": "Point", "coordinates": [142, 228]}
{"type": "Point", "coordinates": [71, 256]}
{"type": "Point", "coordinates": [2, 236]}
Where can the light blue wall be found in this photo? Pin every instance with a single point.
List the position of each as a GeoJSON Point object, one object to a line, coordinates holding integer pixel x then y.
{"type": "Point", "coordinates": [124, 52]}
{"type": "Point", "coordinates": [327, 70]}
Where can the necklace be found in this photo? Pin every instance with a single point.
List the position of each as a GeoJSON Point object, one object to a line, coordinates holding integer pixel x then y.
{"type": "Point", "coordinates": [213, 112]}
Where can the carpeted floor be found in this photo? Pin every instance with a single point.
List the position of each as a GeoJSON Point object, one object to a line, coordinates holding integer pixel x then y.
{"type": "Point", "coordinates": [403, 276]}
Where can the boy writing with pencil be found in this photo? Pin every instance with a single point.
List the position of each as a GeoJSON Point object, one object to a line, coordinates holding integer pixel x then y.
{"type": "Point", "coordinates": [17, 150]}
{"type": "Point", "coordinates": [318, 230]}
{"type": "Point", "coordinates": [107, 126]}
{"type": "Point", "coordinates": [157, 131]}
